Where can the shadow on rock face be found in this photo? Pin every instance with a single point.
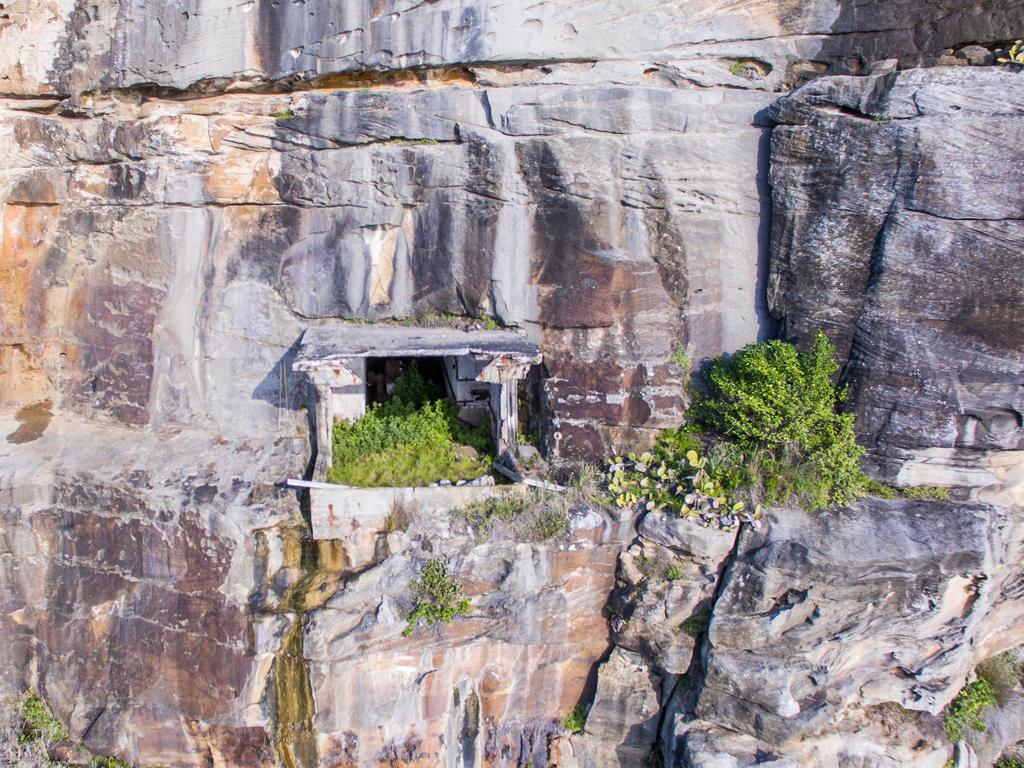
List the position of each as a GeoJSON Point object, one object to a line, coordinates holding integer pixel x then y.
{"type": "Point", "coordinates": [33, 421]}
{"type": "Point", "coordinates": [282, 387]}
{"type": "Point", "coordinates": [866, 31]}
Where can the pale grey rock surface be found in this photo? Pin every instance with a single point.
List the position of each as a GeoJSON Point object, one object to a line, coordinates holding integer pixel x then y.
{"type": "Point", "coordinates": [881, 601]}
{"type": "Point", "coordinates": [897, 227]}
{"type": "Point", "coordinates": [622, 725]}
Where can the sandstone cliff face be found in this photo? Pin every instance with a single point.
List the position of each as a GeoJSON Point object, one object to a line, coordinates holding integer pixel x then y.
{"type": "Point", "coordinates": [187, 188]}
{"type": "Point", "coordinates": [891, 232]}
{"type": "Point", "coordinates": [869, 175]}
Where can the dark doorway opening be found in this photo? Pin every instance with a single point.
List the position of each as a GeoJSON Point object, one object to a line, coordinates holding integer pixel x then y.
{"type": "Point", "coordinates": [383, 372]}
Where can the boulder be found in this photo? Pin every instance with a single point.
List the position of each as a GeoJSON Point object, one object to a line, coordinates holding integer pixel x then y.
{"type": "Point", "coordinates": [685, 536]}
{"type": "Point", "coordinates": [881, 601]}
{"type": "Point", "coordinates": [622, 723]}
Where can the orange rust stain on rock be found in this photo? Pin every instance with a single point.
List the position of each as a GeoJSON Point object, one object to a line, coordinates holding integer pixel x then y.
{"type": "Point", "coordinates": [23, 350]}
{"type": "Point", "coordinates": [26, 231]}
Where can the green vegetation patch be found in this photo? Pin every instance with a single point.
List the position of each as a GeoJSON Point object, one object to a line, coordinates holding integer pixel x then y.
{"type": "Point", "coordinates": [535, 515]}
{"type": "Point", "coordinates": [30, 735]}
{"type": "Point", "coordinates": [696, 625]}
{"type": "Point", "coordinates": [773, 399]}
{"type": "Point", "coordinates": [913, 492]}
{"type": "Point", "coordinates": [576, 720]}
{"type": "Point", "coordinates": [438, 596]}
{"type": "Point", "coordinates": [674, 573]}
{"type": "Point", "coordinates": [765, 430]}
{"type": "Point", "coordinates": [1004, 673]}
{"type": "Point", "coordinates": [411, 440]}
{"type": "Point", "coordinates": [964, 712]}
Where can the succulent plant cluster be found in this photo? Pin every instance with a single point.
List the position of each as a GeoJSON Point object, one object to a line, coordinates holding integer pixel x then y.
{"type": "Point", "coordinates": [1014, 55]}
{"type": "Point", "coordinates": [681, 485]}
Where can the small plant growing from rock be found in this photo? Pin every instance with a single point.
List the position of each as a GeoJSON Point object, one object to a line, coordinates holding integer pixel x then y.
{"type": "Point", "coordinates": [1012, 56]}
{"type": "Point", "coordinates": [964, 712]}
{"type": "Point", "coordinates": [576, 720]}
{"type": "Point", "coordinates": [107, 762]}
{"type": "Point", "coordinates": [696, 625]}
{"type": "Point", "coordinates": [400, 517]}
{"type": "Point", "coordinates": [681, 484]}
{"type": "Point", "coordinates": [1004, 673]}
{"type": "Point", "coordinates": [438, 596]}
{"type": "Point", "coordinates": [674, 572]}
{"type": "Point", "coordinates": [32, 736]}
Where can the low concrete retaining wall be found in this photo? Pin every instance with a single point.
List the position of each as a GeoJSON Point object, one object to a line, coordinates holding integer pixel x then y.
{"type": "Point", "coordinates": [341, 512]}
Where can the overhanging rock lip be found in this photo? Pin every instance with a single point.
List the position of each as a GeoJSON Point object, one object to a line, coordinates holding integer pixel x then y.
{"type": "Point", "coordinates": [326, 345]}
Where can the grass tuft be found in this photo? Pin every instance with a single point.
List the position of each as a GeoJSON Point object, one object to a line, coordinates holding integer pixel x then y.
{"type": "Point", "coordinates": [408, 441]}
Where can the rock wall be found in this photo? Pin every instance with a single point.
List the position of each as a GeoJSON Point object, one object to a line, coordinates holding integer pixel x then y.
{"type": "Point", "coordinates": [837, 639]}
{"type": "Point", "coordinates": [869, 176]}
{"type": "Point", "coordinates": [187, 187]}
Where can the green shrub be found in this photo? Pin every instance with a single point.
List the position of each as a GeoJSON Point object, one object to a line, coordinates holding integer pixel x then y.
{"type": "Point", "coordinates": [1010, 762]}
{"type": "Point", "coordinates": [40, 724]}
{"type": "Point", "coordinates": [409, 440]}
{"type": "Point", "coordinates": [1004, 673]}
{"type": "Point", "coordinates": [773, 403]}
{"type": "Point", "coordinates": [30, 732]}
{"type": "Point", "coordinates": [576, 720]}
{"type": "Point", "coordinates": [964, 712]}
{"type": "Point", "coordinates": [438, 596]}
